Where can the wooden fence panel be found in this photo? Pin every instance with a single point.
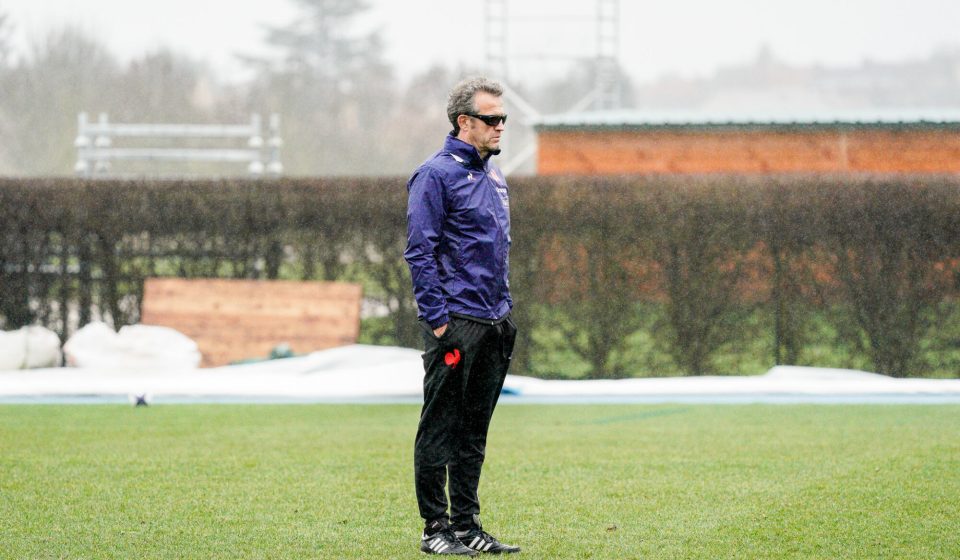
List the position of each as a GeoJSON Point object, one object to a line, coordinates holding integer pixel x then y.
{"type": "Point", "coordinates": [233, 320]}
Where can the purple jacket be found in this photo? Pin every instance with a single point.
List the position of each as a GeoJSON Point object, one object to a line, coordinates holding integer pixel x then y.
{"type": "Point", "coordinates": [458, 236]}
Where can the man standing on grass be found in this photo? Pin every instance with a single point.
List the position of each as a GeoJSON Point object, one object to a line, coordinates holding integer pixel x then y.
{"type": "Point", "coordinates": [458, 233]}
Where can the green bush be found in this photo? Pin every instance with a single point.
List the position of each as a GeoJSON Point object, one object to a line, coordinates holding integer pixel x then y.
{"type": "Point", "coordinates": [612, 276]}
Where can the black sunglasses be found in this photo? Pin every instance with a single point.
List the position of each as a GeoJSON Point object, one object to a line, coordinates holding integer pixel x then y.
{"type": "Point", "coordinates": [489, 120]}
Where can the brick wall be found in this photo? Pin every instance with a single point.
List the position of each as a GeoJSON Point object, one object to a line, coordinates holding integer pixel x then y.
{"type": "Point", "coordinates": [759, 150]}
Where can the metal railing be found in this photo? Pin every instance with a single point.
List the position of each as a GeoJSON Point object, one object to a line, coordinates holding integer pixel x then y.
{"type": "Point", "coordinates": [96, 151]}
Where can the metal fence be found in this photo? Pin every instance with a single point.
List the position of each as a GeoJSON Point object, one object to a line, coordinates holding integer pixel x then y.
{"type": "Point", "coordinates": [96, 152]}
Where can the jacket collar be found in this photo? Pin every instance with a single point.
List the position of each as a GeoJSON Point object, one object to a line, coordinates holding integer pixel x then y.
{"type": "Point", "coordinates": [465, 153]}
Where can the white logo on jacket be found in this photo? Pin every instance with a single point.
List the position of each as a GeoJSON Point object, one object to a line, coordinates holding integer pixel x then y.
{"type": "Point", "coordinates": [504, 197]}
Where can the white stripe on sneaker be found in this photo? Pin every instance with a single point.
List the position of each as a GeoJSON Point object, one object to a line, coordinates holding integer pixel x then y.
{"type": "Point", "coordinates": [486, 548]}
{"type": "Point", "coordinates": [473, 544]}
{"type": "Point", "coordinates": [443, 546]}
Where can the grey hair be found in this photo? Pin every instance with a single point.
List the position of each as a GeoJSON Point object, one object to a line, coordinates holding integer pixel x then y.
{"type": "Point", "coordinates": [461, 100]}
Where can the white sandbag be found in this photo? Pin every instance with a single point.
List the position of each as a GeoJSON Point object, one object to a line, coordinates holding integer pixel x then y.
{"type": "Point", "coordinates": [160, 346]}
{"type": "Point", "coordinates": [135, 347]}
{"type": "Point", "coordinates": [94, 339]}
{"type": "Point", "coordinates": [29, 348]}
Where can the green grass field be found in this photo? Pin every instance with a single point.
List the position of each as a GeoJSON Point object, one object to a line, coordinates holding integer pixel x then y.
{"type": "Point", "coordinates": [563, 481]}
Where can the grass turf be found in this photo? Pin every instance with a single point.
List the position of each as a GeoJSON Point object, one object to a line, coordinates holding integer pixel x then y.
{"type": "Point", "coordinates": [335, 481]}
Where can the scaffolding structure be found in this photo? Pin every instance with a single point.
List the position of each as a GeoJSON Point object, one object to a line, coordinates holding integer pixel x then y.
{"type": "Point", "coordinates": [603, 23]}
{"type": "Point", "coordinates": [495, 33]}
{"type": "Point", "coordinates": [608, 54]}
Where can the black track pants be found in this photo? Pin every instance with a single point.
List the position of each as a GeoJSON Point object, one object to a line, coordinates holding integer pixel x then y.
{"type": "Point", "coordinates": [464, 372]}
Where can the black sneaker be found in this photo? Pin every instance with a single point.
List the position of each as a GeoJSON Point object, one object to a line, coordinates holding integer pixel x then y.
{"type": "Point", "coordinates": [438, 538]}
{"type": "Point", "coordinates": [475, 538]}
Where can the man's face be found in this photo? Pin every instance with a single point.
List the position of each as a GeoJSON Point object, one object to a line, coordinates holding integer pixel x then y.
{"type": "Point", "coordinates": [476, 132]}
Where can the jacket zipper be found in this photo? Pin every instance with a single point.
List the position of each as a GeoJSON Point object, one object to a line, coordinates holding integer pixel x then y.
{"type": "Point", "coordinates": [491, 191]}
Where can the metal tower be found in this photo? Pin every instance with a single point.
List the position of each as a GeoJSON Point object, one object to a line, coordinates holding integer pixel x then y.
{"type": "Point", "coordinates": [606, 58]}
{"type": "Point", "coordinates": [608, 54]}
{"type": "Point", "coordinates": [496, 39]}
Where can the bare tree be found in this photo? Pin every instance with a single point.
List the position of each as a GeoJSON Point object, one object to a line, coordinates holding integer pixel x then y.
{"type": "Point", "coordinates": [6, 127]}
{"type": "Point", "coordinates": [6, 47]}
{"type": "Point", "coordinates": [160, 86]}
{"type": "Point", "coordinates": [68, 72]}
{"type": "Point", "coordinates": [64, 73]}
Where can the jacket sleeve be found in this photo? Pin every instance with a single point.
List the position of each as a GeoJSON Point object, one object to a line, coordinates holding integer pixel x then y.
{"type": "Point", "coordinates": [426, 213]}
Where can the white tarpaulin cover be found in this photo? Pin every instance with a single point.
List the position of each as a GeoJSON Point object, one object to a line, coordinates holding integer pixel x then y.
{"type": "Point", "coordinates": [134, 348]}
{"type": "Point", "coordinates": [365, 373]}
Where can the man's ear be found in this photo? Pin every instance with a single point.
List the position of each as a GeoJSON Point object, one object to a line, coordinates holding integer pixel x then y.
{"type": "Point", "coordinates": [462, 121]}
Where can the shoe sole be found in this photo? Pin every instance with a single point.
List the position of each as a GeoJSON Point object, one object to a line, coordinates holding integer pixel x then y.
{"type": "Point", "coordinates": [429, 551]}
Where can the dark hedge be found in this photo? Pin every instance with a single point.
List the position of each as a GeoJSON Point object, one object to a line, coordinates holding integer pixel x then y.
{"type": "Point", "coordinates": [712, 251]}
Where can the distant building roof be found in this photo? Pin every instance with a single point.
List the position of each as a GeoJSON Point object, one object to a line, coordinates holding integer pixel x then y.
{"type": "Point", "coordinates": [644, 119]}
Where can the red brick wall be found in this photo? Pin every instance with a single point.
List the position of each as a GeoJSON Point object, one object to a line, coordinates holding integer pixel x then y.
{"type": "Point", "coordinates": [748, 150]}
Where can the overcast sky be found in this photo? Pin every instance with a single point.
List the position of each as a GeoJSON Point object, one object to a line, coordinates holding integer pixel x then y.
{"type": "Point", "coordinates": [686, 38]}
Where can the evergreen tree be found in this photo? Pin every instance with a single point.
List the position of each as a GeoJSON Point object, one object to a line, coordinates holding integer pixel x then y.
{"type": "Point", "coordinates": [331, 86]}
